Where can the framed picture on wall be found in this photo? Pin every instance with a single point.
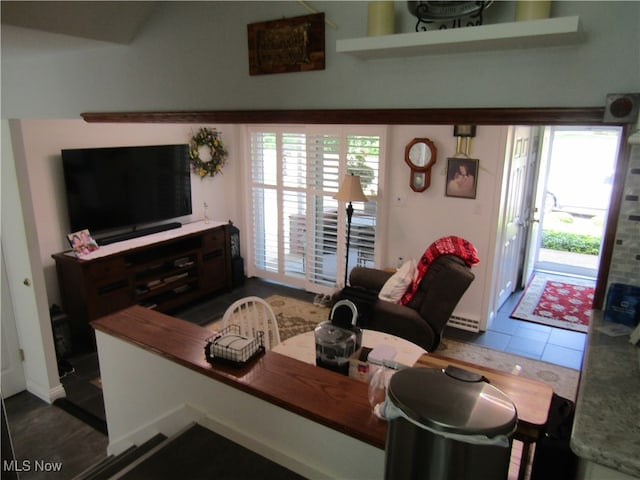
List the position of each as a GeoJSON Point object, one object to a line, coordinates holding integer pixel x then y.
{"type": "Point", "coordinates": [287, 45]}
{"type": "Point", "coordinates": [462, 177]}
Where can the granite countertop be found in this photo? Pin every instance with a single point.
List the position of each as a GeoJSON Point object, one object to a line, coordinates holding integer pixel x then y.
{"type": "Point", "coordinates": [607, 421]}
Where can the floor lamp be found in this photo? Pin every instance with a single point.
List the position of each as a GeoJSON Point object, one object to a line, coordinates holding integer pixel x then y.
{"type": "Point", "coordinates": [350, 191]}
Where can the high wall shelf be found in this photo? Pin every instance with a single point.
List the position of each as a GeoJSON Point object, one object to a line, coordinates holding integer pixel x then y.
{"type": "Point", "coordinates": [504, 36]}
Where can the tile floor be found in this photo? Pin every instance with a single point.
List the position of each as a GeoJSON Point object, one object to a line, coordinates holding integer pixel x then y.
{"type": "Point", "coordinates": [540, 342]}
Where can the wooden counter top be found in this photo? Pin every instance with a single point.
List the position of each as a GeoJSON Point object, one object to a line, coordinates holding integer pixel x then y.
{"type": "Point", "coordinates": [320, 395]}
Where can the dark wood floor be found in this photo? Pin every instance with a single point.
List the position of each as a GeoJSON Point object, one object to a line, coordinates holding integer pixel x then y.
{"type": "Point", "coordinates": [45, 433]}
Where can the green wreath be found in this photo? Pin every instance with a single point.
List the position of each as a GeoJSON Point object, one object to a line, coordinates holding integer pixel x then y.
{"type": "Point", "coordinates": [209, 138]}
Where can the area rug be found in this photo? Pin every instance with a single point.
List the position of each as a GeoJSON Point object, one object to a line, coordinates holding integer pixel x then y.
{"type": "Point", "coordinates": [293, 316]}
{"type": "Point", "coordinates": [564, 381]}
{"type": "Point", "coordinates": [298, 316]}
{"type": "Point", "coordinates": [564, 304]}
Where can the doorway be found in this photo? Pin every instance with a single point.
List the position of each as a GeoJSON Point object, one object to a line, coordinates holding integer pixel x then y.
{"type": "Point", "coordinates": [576, 172]}
{"type": "Point", "coordinates": [560, 210]}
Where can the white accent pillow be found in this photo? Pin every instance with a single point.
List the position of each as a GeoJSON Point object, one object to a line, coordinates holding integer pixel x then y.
{"type": "Point", "coordinates": [394, 288]}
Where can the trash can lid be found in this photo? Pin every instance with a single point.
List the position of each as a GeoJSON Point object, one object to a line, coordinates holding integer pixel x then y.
{"type": "Point", "coordinates": [447, 404]}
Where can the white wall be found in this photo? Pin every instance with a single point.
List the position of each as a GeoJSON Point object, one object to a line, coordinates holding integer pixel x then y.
{"type": "Point", "coordinates": [193, 56]}
{"type": "Point", "coordinates": [429, 215]}
{"type": "Point", "coordinates": [26, 284]}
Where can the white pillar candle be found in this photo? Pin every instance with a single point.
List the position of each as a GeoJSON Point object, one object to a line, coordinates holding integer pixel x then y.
{"type": "Point", "coordinates": [381, 18]}
{"type": "Point", "coordinates": [532, 9]}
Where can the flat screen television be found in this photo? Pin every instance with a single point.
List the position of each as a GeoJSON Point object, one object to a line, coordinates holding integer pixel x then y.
{"type": "Point", "coordinates": [126, 187]}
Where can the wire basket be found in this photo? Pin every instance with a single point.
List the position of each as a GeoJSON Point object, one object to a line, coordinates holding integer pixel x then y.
{"type": "Point", "coordinates": [229, 346]}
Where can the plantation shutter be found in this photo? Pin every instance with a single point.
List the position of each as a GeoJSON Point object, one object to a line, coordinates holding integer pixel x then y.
{"type": "Point", "coordinates": [363, 159]}
{"type": "Point", "coordinates": [264, 195]}
{"type": "Point", "coordinates": [294, 175]}
{"type": "Point", "coordinates": [324, 172]}
{"type": "Point", "coordinates": [299, 230]}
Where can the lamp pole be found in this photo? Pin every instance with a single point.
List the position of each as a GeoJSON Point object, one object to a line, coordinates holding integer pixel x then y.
{"type": "Point", "coordinates": [346, 261]}
{"type": "Point", "coordinates": [350, 191]}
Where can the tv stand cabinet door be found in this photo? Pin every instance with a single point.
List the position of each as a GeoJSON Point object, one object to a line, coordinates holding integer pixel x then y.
{"type": "Point", "coordinates": [215, 271]}
{"type": "Point", "coordinates": [90, 290]}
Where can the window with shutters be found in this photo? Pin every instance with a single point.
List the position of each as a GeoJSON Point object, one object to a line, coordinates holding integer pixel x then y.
{"type": "Point", "coordinates": [299, 229]}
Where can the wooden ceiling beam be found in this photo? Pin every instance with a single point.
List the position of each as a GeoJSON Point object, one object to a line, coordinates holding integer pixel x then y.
{"type": "Point", "coordinates": [390, 116]}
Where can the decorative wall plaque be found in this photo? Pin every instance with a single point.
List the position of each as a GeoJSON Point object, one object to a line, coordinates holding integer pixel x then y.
{"type": "Point", "coordinates": [287, 45]}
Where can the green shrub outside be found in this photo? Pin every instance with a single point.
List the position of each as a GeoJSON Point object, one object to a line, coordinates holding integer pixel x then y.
{"type": "Point", "coordinates": [570, 242]}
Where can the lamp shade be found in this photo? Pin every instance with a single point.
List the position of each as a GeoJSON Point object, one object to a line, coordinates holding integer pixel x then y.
{"type": "Point", "coordinates": [351, 190]}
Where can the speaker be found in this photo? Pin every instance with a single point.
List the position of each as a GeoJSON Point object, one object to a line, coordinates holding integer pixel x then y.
{"type": "Point", "coordinates": [237, 272]}
{"type": "Point", "coordinates": [622, 108]}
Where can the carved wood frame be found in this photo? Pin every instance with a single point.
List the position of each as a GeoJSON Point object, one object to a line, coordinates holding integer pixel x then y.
{"type": "Point", "coordinates": [287, 45]}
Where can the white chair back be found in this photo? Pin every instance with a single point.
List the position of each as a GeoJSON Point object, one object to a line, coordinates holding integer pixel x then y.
{"type": "Point", "coordinates": [253, 314]}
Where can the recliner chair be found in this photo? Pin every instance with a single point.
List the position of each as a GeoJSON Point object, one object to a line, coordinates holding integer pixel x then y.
{"type": "Point", "coordinates": [423, 319]}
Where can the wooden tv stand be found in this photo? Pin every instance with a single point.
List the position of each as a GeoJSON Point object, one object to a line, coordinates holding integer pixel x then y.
{"type": "Point", "coordinates": [161, 271]}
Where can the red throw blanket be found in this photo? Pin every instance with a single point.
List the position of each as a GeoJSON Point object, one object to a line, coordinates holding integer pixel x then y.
{"type": "Point", "coordinates": [444, 246]}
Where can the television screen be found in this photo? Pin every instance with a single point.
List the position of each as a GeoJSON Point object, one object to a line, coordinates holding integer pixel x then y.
{"type": "Point", "coordinates": [111, 188]}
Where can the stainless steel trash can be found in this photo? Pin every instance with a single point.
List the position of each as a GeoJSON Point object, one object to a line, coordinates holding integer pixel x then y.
{"type": "Point", "coordinates": [445, 425]}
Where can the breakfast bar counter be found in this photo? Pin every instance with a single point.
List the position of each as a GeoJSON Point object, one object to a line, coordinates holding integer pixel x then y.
{"type": "Point", "coordinates": [606, 432]}
{"type": "Point", "coordinates": [296, 386]}
{"type": "Point", "coordinates": [306, 418]}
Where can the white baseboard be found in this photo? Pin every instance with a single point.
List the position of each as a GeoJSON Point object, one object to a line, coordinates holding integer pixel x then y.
{"type": "Point", "coordinates": [46, 394]}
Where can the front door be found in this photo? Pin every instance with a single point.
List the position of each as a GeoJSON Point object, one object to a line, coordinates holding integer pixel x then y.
{"type": "Point", "coordinates": [539, 204]}
{"type": "Point", "coordinates": [520, 159]}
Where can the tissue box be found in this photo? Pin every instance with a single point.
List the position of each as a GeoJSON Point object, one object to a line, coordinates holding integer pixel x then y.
{"type": "Point", "coordinates": [623, 304]}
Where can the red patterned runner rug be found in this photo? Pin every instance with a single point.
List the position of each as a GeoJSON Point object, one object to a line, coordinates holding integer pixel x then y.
{"type": "Point", "coordinates": [563, 304]}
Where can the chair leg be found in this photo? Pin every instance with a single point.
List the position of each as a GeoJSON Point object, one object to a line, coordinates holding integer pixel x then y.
{"type": "Point", "coordinates": [524, 460]}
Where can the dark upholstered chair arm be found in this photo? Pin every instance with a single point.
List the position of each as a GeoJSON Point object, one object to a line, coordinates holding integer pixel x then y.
{"type": "Point", "coordinates": [369, 278]}
{"type": "Point", "coordinates": [403, 322]}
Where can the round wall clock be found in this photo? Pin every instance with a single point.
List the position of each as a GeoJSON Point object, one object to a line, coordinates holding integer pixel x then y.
{"type": "Point", "coordinates": [420, 154]}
